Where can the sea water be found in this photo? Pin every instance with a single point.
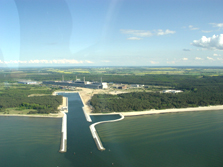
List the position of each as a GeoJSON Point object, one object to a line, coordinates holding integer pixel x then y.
{"type": "Point", "coordinates": [192, 139]}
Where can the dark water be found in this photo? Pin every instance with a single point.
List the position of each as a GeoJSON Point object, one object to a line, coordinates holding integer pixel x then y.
{"type": "Point", "coordinates": [193, 139]}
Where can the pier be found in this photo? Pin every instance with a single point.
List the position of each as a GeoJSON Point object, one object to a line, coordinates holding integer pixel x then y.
{"type": "Point", "coordinates": [63, 146]}
{"type": "Point", "coordinates": [64, 110]}
{"type": "Point", "coordinates": [95, 134]}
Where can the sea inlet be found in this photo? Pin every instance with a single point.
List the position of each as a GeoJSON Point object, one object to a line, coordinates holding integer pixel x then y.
{"type": "Point", "coordinates": [192, 139]}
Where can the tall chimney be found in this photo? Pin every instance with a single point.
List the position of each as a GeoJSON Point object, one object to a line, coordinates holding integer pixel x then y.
{"type": "Point", "coordinates": [76, 77]}
{"type": "Point", "coordinates": [101, 79]}
{"type": "Point", "coordinates": [62, 78]}
{"type": "Point", "coordinates": [84, 79]}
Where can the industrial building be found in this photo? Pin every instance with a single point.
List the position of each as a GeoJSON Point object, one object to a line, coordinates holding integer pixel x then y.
{"type": "Point", "coordinates": [79, 83]}
{"type": "Point", "coordinates": [28, 82]}
{"type": "Point", "coordinates": [172, 91]}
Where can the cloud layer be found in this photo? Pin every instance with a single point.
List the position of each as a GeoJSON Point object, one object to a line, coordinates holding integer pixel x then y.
{"type": "Point", "coordinates": [220, 25]}
{"type": "Point", "coordinates": [60, 61]}
{"type": "Point", "coordinates": [145, 33]}
{"type": "Point", "coordinates": [214, 42]}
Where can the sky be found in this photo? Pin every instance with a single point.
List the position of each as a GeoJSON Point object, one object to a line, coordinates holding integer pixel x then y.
{"type": "Point", "coordinates": [54, 33]}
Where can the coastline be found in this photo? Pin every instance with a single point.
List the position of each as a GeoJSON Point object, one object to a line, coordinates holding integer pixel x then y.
{"type": "Point", "coordinates": [174, 110]}
{"type": "Point", "coordinates": [87, 94]}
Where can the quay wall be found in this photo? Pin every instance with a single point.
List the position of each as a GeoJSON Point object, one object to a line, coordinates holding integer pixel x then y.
{"type": "Point", "coordinates": [63, 146]}
{"type": "Point", "coordinates": [95, 134]}
{"type": "Point", "coordinates": [88, 118]}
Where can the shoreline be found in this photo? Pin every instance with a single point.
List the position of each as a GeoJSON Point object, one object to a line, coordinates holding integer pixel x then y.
{"type": "Point", "coordinates": [85, 98]}
{"type": "Point", "coordinates": [164, 111]}
{"type": "Point", "coordinates": [173, 110]}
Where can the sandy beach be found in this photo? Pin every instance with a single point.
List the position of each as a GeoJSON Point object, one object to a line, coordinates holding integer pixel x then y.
{"type": "Point", "coordinates": [86, 95]}
{"type": "Point", "coordinates": [174, 110]}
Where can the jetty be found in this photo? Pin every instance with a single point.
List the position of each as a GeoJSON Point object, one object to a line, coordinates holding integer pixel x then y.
{"type": "Point", "coordinates": [63, 146]}
{"type": "Point", "coordinates": [64, 110]}
{"type": "Point", "coordinates": [95, 134]}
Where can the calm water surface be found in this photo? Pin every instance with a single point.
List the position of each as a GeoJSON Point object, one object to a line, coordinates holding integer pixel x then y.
{"type": "Point", "coordinates": [193, 139]}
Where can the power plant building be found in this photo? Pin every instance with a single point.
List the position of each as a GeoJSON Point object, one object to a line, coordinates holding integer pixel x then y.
{"type": "Point", "coordinates": [79, 83]}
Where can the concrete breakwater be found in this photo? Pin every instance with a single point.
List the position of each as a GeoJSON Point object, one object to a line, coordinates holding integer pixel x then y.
{"type": "Point", "coordinates": [64, 110]}
{"type": "Point", "coordinates": [95, 134]}
{"type": "Point", "coordinates": [88, 118]}
{"type": "Point", "coordinates": [63, 146]}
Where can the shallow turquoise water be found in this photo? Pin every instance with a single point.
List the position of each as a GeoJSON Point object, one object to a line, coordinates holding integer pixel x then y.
{"type": "Point", "coordinates": [193, 139]}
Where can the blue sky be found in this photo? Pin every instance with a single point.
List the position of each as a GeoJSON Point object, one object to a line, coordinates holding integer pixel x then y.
{"type": "Point", "coordinates": [111, 33]}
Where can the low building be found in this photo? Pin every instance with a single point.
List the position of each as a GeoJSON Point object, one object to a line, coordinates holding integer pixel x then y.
{"type": "Point", "coordinates": [172, 91]}
{"type": "Point", "coordinates": [122, 87]}
{"type": "Point", "coordinates": [28, 82]}
{"type": "Point", "coordinates": [134, 85]}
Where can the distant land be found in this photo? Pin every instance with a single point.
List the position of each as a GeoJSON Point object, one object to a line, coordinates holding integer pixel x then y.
{"type": "Point", "coordinates": [127, 88]}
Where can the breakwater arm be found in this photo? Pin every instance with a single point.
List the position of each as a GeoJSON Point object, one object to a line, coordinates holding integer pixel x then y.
{"type": "Point", "coordinates": [95, 134]}
{"type": "Point", "coordinates": [87, 116]}
{"type": "Point", "coordinates": [64, 110]}
{"type": "Point", "coordinates": [63, 146]}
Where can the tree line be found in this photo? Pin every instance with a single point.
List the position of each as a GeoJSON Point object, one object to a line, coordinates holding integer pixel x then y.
{"type": "Point", "coordinates": [198, 91]}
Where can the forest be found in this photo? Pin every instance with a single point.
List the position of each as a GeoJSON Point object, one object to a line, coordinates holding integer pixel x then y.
{"type": "Point", "coordinates": [201, 86]}
{"type": "Point", "coordinates": [17, 97]}
{"type": "Point", "coordinates": [199, 91]}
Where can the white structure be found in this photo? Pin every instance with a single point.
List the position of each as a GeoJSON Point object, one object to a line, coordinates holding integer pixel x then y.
{"type": "Point", "coordinates": [104, 85]}
{"type": "Point", "coordinates": [172, 91]}
{"type": "Point", "coordinates": [95, 134]}
{"type": "Point", "coordinates": [134, 86]}
{"type": "Point", "coordinates": [63, 146]}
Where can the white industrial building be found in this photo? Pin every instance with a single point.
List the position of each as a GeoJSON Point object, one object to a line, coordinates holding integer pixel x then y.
{"type": "Point", "coordinates": [172, 91]}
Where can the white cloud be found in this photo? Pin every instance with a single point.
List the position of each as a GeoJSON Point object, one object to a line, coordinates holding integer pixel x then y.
{"type": "Point", "coordinates": [145, 33]}
{"type": "Point", "coordinates": [154, 62]}
{"type": "Point", "coordinates": [219, 59]}
{"type": "Point", "coordinates": [59, 61]}
{"type": "Point", "coordinates": [185, 58]}
{"type": "Point", "coordinates": [1, 62]}
{"type": "Point", "coordinates": [161, 32]}
{"type": "Point", "coordinates": [210, 58]}
{"type": "Point", "coordinates": [141, 33]}
{"type": "Point", "coordinates": [220, 25]}
{"type": "Point", "coordinates": [192, 27]}
{"type": "Point", "coordinates": [198, 58]}
{"type": "Point", "coordinates": [89, 61]}
{"type": "Point", "coordinates": [214, 42]}
{"type": "Point", "coordinates": [216, 54]}
{"type": "Point", "coordinates": [134, 38]}
{"type": "Point", "coordinates": [205, 31]}
{"type": "Point", "coordinates": [170, 62]}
